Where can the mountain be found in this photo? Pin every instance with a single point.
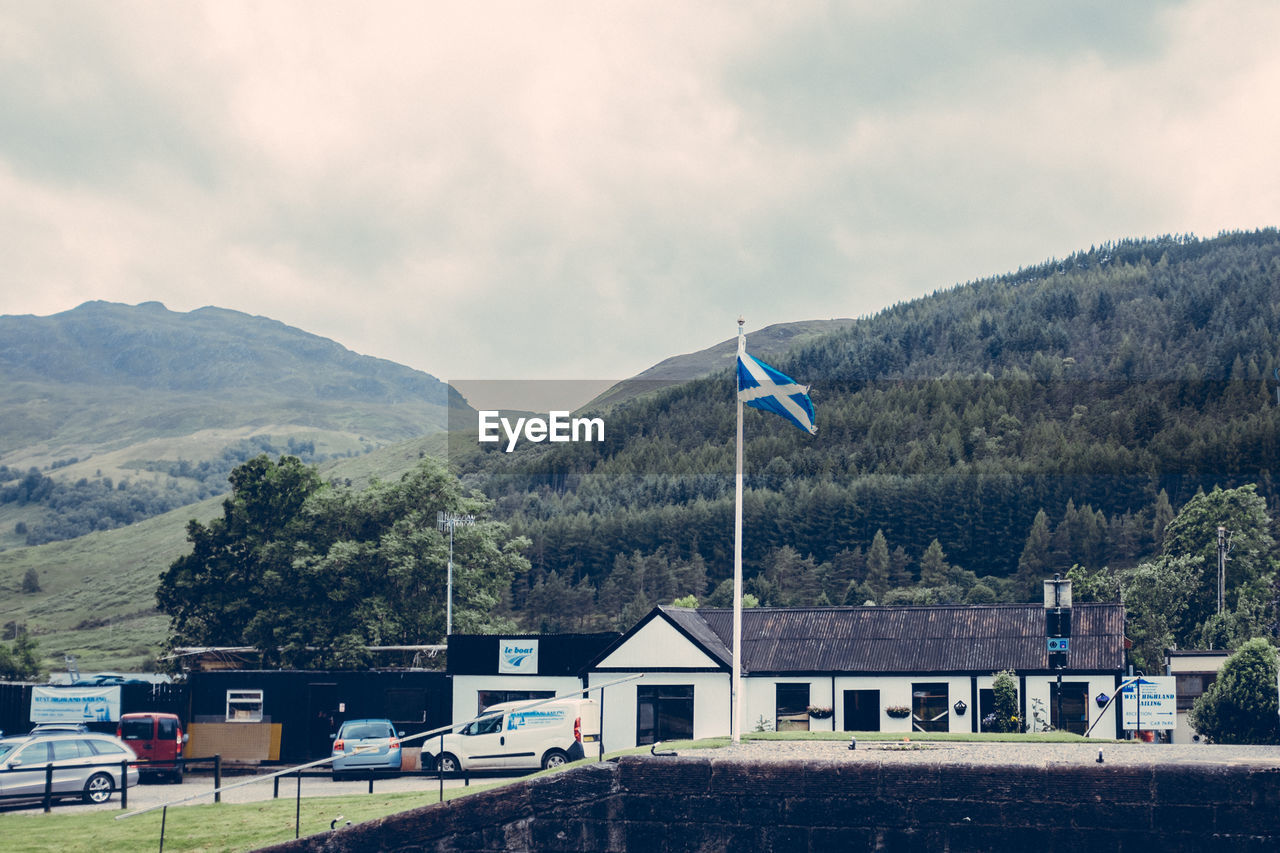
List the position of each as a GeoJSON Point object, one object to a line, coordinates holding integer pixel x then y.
{"type": "Point", "coordinates": [1100, 391]}
{"type": "Point", "coordinates": [126, 411]}
{"type": "Point", "coordinates": [768, 343]}
{"type": "Point", "coordinates": [1103, 390]}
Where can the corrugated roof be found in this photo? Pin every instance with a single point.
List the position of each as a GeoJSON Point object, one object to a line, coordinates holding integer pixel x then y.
{"type": "Point", "coordinates": [960, 638]}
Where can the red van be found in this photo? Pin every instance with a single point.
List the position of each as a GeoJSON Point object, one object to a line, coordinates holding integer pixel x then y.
{"type": "Point", "coordinates": [158, 739]}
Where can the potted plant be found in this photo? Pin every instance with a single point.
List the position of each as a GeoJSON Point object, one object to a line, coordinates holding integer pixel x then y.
{"type": "Point", "coordinates": [898, 711]}
{"type": "Point", "coordinates": [819, 712]}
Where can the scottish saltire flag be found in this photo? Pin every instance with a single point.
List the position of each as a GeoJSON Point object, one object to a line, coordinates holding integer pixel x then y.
{"type": "Point", "coordinates": [762, 387]}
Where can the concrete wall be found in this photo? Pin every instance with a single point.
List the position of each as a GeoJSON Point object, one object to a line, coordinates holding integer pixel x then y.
{"type": "Point", "coordinates": [657, 804]}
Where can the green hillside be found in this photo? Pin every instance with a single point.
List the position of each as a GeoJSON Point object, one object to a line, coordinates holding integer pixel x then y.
{"type": "Point", "coordinates": [97, 592]}
{"type": "Point", "coordinates": [110, 413]}
{"type": "Point", "coordinates": [970, 443]}
{"type": "Point", "coordinates": [1105, 389]}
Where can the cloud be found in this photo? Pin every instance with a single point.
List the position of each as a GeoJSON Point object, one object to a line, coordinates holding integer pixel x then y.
{"type": "Point", "coordinates": [582, 189]}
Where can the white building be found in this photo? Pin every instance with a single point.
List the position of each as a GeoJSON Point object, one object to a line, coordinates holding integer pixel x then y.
{"type": "Point", "coordinates": [892, 669]}
{"type": "Point", "coordinates": [1194, 671]}
{"type": "Point", "coordinates": [487, 669]}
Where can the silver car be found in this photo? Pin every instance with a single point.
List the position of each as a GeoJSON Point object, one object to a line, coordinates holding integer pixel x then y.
{"type": "Point", "coordinates": [85, 765]}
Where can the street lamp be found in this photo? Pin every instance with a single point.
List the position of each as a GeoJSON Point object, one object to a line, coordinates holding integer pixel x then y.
{"type": "Point", "coordinates": [448, 521]}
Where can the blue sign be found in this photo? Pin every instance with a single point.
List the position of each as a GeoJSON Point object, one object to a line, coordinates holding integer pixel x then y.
{"type": "Point", "coordinates": [1059, 644]}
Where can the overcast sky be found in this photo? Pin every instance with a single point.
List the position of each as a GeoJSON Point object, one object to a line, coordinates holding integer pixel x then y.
{"type": "Point", "coordinates": [567, 190]}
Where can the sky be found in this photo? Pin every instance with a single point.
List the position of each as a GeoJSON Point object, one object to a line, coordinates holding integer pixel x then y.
{"type": "Point", "coordinates": [578, 190]}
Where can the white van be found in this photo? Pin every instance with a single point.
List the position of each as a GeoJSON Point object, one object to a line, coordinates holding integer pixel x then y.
{"type": "Point", "coordinates": [516, 736]}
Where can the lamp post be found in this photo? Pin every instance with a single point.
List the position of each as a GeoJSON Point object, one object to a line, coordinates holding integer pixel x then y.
{"type": "Point", "coordinates": [1057, 613]}
{"type": "Point", "coordinates": [448, 521]}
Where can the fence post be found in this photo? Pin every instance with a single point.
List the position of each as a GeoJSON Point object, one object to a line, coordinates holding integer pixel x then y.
{"type": "Point", "coordinates": [124, 785]}
{"type": "Point", "coordinates": [275, 787]}
{"type": "Point", "coordinates": [48, 787]}
{"type": "Point", "coordinates": [217, 778]}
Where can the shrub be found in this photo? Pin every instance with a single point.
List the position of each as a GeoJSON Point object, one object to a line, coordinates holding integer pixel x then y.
{"type": "Point", "coordinates": [1005, 688]}
{"type": "Point", "coordinates": [1241, 706]}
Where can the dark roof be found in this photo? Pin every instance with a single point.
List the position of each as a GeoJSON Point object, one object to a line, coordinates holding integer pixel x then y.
{"type": "Point", "coordinates": [960, 638]}
{"type": "Point", "coordinates": [558, 654]}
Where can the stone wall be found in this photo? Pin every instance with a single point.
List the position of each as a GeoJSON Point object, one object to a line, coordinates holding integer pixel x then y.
{"type": "Point", "coordinates": [692, 803]}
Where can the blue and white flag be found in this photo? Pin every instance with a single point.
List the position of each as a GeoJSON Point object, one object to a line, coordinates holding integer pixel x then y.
{"type": "Point", "coordinates": [762, 387]}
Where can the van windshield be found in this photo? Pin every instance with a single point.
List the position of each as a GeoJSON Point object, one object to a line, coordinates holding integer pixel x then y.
{"type": "Point", "coordinates": [484, 726]}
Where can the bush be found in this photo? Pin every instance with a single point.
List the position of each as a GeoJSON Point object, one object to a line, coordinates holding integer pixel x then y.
{"type": "Point", "coordinates": [1005, 688]}
{"type": "Point", "coordinates": [1241, 706]}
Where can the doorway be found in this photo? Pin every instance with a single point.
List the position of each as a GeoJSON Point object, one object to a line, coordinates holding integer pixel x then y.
{"type": "Point", "coordinates": [862, 710]}
{"type": "Point", "coordinates": [1075, 707]}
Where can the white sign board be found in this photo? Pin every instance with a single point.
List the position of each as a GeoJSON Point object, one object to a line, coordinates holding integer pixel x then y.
{"type": "Point", "coordinates": [518, 657]}
{"type": "Point", "coordinates": [1150, 703]}
{"type": "Point", "coordinates": [75, 704]}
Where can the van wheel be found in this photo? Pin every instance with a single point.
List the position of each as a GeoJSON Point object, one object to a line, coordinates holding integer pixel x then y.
{"type": "Point", "coordinates": [447, 763]}
{"type": "Point", "coordinates": [98, 789]}
{"type": "Point", "coordinates": [554, 758]}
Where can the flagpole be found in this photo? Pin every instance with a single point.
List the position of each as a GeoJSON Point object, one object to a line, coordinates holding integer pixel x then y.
{"type": "Point", "coordinates": [735, 696]}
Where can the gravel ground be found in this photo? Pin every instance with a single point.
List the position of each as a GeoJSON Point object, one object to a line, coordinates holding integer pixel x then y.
{"type": "Point", "coordinates": [998, 753]}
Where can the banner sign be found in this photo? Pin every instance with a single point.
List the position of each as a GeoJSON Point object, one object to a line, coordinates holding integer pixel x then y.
{"type": "Point", "coordinates": [519, 657]}
{"type": "Point", "coordinates": [1151, 703]}
{"type": "Point", "coordinates": [75, 704]}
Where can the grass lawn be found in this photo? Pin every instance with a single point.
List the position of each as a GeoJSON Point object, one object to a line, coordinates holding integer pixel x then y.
{"type": "Point", "coordinates": [238, 827]}
{"type": "Point", "coordinates": [212, 827]}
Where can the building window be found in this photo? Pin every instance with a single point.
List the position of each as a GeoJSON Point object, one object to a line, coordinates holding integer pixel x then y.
{"type": "Point", "coordinates": [792, 708]}
{"type": "Point", "coordinates": [929, 710]}
{"type": "Point", "coordinates": [488, 698]}
{"type": "Point", "coordinates": [244, 706]}
{"type": "Point", "coordinates": [1190, 686]}
{"type": "Point", "coordinates": [407, 705]}
{"type": "Point", "coordinates": [663, 713]}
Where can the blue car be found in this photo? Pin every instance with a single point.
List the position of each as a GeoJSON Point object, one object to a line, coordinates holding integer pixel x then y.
{"type": "Point", "coordinates": [366, 746]}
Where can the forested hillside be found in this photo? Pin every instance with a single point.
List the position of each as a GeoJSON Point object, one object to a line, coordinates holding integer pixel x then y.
{"type": "Point", "coordinates": [1056, 416]}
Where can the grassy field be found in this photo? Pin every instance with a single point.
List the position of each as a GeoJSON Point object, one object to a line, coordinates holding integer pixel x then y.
{"type": "Point", "coordinates": [237, 827]}
{"type": "Point", "coordinates": [97, 592]}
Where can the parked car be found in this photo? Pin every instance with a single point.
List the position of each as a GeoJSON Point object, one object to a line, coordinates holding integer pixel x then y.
{"type": "Point", "coordinates": [158, 740]}
{"type": "Point", "coordinates": [85, 765]}
{"type": "Point", "coordinates": [366, 745]}
{"type": "Point", "coordinates": [522, 736]}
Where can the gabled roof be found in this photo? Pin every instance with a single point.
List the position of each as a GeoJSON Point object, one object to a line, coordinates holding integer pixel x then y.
{"type": "Point", "coordinates": [943, 639]}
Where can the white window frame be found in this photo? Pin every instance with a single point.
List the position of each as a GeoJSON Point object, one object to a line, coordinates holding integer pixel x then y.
{"type": "Point", "coordinates": [236, 698]}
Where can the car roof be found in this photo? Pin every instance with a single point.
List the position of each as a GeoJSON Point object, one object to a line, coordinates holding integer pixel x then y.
{"type": "Point", "coordinates": [367, 720]}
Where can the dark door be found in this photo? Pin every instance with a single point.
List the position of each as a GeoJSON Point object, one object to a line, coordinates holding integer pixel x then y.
{"type": "Point", "coordinates": [323, 718]}
{"type": "Point", "coordinates": [664, 712]}
{"type": "Point", "coordinates": [1075, 707]}
{"type": "Point", "coordinates": [862, 710]}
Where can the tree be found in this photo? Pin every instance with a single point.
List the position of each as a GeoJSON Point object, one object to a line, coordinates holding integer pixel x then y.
{"type": "Point", "coordinates": [1033, 565]}
{"type": "Point", "coordinates": [1241, 705]}
{"type": "Point", "coordinates": [30, 582]}
{"type": "Point", "coordinates": [312, 574]}
{"type": "Point", "coordinates": [878, 566]}
{"type": "Point", "coordinates": [1156, 606]}
{"type": "Point", "coordinates": [934, 570]}
{"type": "Point", "coordinates": [1194, 532]}
{"type": "Point", "coordinates": [19, 662]}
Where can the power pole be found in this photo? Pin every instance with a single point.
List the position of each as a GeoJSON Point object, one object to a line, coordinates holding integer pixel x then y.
{"type": "Point", "coordinates": [1222, 568]}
